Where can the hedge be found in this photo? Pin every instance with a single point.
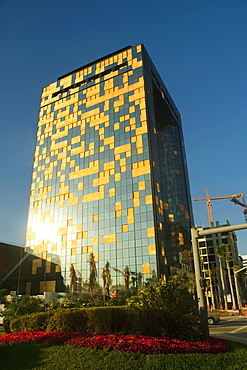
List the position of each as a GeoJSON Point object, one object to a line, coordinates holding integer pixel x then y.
{"type": "Point", "coordinates": [106, 320]}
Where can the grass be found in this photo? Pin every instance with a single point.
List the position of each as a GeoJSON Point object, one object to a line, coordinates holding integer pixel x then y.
{"type": "Point", "coordinates": [52, 357]}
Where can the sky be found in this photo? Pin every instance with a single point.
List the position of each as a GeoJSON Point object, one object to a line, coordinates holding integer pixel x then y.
{"type": "Point", "coordinates": [199, 49]}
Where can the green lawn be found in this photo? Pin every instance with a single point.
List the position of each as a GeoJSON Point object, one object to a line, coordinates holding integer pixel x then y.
{"type": "Point", "coordinates": [52, 357]}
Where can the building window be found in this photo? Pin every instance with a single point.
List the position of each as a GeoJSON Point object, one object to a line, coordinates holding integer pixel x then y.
{"type": "Point", "coordinates": [171, 217]}
{"type": "Point", "coordinates": [95, 218]}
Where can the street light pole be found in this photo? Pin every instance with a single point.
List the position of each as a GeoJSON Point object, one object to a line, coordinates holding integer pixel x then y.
{"type": "Point", "coordinates": [238, 292]}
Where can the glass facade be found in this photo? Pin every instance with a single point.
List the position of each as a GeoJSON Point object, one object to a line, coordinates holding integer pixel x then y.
{"type": "Point", "coordinates": [109, 175]}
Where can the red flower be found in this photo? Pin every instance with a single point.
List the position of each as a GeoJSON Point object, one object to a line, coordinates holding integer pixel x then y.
{"type": "Point", "coordinates": [129, 343]}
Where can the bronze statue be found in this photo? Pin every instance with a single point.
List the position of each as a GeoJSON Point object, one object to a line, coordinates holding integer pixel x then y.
{"type": "Point", "coordinates": [126, 274]}
{"type": "Point", "coordinates": [106, 276]}
{"type": "Point", "coordinates": [73, 278]}
{"type": "Point", "coordinates": [93, 273]}
{"type": "Point", "coordinates": [139, 279]}
{"type": "Point", "coordinates": [126, 278]}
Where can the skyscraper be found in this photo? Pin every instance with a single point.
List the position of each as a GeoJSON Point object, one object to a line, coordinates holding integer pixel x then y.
{"type": "Point", "coordinates": [109, 179]}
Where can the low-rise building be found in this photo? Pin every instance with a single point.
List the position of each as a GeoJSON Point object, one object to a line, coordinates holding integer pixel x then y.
{"type": "Point", "coordinates": [23, 273]}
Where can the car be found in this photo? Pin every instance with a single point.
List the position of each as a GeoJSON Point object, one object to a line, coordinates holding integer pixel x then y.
{"type": "Point", "coordinates": [213, 318]}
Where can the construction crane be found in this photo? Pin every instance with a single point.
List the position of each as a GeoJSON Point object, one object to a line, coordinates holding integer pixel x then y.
{"type": "Point", "coordinates": [233, 199]}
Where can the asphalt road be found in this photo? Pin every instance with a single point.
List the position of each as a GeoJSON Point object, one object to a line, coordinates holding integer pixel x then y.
{"type": "Point", "coordinates": [232, 328]}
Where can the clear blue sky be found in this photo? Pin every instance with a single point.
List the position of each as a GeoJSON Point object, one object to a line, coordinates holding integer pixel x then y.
{"type": "Point", "coordinates": [199, 49]}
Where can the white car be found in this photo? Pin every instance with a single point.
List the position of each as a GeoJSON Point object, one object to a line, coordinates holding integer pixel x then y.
{"type": "Point", "coordinates": [213, 318]}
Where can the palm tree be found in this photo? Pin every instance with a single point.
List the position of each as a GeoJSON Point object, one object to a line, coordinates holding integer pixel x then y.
{"type": "Point", "coordinates": [207, 293]}
{"type": "Point", "coordinates": [220, 251]}
{"type": "Point", "coordinates": [209, 273]}
{"type": "Point", "coordinates": [228, 258]}
{"type": "Point", "coordinates": [215, 280]}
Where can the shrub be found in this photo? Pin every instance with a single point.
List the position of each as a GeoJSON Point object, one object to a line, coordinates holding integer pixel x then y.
{"type": "Point", "coordinates": [96, 320]}
{"type": "Point", "coordinates": [178, 312]}
{"type": "Point", "coordinates": [3, 293]}
{"type": "Point", "coordinates": [146, 322]}
{"type": "Point", "coordinates": [6, 325]}
{"type": "Point", "coordinates": [107, 319]}
{"type": "Point", "coordinates": [36, 321]}
{"type": "Point", "coordinates": [68, 320]}
{"type": "Point", "coordinates": [25, 306]}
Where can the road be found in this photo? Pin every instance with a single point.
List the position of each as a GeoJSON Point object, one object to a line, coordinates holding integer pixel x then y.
{"type": "Point", "coordinates": [232, 328]}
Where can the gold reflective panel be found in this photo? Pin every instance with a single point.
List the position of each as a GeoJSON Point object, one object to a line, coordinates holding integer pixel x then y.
{"type": "Point", "coordinates": [146, 268]}
{"type": "Point", "coordinates": [152, 249]}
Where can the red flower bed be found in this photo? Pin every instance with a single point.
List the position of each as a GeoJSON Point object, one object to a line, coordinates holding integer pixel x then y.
{"type": "Point", "coordinates": [149, 345]}
{"type": "Point", "coordinates": [37, 337]}
{"type": "Point", "coordinates": [129, 343]}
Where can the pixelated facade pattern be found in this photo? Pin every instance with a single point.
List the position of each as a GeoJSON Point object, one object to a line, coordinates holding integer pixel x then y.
{"type": "Point", "coordinates": [109, 174]}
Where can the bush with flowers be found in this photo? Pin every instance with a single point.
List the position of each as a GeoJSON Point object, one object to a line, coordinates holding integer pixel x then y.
{"type": "Point", "coordinates": [117, 342]}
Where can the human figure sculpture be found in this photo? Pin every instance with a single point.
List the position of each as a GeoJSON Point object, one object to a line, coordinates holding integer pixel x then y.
{"type": "Point", "coordinates": [106, 275]}
{"type": "Point", "coordinates": [126, 278]}
{"type": "Point", "coordinates": [139, 279]}
{"type": "Point", "coordinates": [93, 273]}
{"type": "Point", "coordinates": [73, 278]}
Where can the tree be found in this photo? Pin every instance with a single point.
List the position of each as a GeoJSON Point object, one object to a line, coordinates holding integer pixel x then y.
{"type": "Point", "coordinates": [220, 251]}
